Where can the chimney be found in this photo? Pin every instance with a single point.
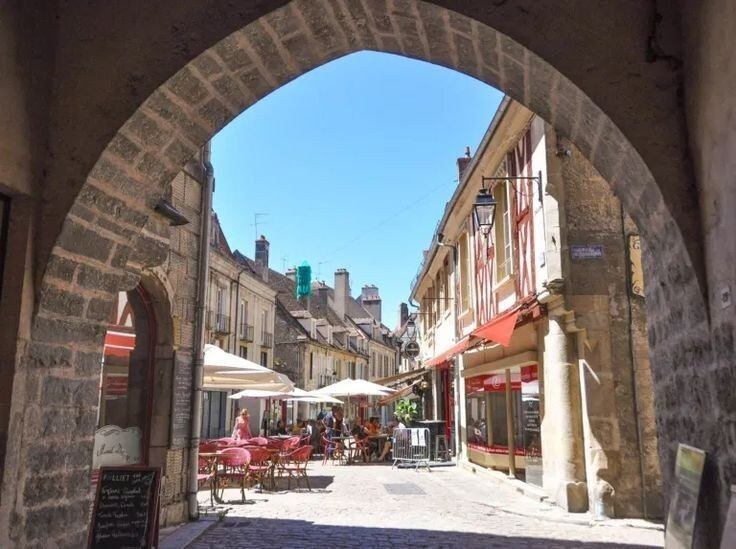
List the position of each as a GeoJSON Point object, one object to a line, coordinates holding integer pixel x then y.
{"type": "Point", "coordinates": [403, 314]}
{"type": "Point", "coordinates": [342, 292]}
{"type": "Point", "coordinates": [291, 274]}
{"type": "Point", "coordinates": [371, 301]}
{"type": "Point", "coordinates": [462, 163]}
{"type": "Point", "coordinates": [262, 246]}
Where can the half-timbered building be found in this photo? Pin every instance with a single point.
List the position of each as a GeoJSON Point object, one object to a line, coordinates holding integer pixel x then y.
{"type": "Point", "coordinates": [528, 321]}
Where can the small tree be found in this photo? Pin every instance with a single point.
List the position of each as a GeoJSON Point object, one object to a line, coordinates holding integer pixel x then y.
{"type": "Point", "coordinates": [407, 411]}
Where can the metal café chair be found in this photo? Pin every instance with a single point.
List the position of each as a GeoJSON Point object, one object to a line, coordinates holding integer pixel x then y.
{"type": "Point", "coordinates": [261, 466]}
{"type": "Point", "coordinates": [234, 468]}
{"type": "Point", "coordinates": [295, 465]}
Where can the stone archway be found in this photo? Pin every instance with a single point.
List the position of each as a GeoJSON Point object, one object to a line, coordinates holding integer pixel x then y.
{"type": "Point", "coordinates": [109, 235]}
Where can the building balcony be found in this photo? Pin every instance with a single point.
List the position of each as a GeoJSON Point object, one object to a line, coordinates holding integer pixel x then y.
{"type": "Point", "coordinates": [266, 339]}
{"type": "Point", "coordinates": [246, 331]}
{"type": "Point", "coordinates": [218, 323]}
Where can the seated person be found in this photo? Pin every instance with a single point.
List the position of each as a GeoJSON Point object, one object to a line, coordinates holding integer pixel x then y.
{"type": "Point", "coordinates": [281, 428]}
{"type": "Point", "coordinates": [372, 427]}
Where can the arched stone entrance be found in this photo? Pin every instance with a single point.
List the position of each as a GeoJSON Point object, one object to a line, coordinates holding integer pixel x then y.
{"type": "Point", "coordinates": [109, 233]}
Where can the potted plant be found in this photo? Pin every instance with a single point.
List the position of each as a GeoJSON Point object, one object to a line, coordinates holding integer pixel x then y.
{"type": "Point", "coordinates": [407, 411]}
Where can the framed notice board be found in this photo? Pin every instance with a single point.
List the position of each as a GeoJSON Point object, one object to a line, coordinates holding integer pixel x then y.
{"type": "Point", "coordinates": [684, 503]}
{"type": "Point", "coordinates": [125, 514]}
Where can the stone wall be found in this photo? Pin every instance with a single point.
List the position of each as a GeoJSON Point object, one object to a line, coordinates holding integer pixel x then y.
{"type": "Point", "coordinates": [621, 447]}
{"type": "Point", "coordinates": [101, 132]}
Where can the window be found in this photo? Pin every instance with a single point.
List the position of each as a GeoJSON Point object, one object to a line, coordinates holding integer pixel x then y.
{"type": "Point", "coordinates": [430, 304]}
{"type": "Point", "coordinates": [243, 318]}
{"type": "Point", "coordinates": [445, 280]}
{"type": "Point", "coordinates": [264, 358]}
{"type": "Point", "coordinates": [221, 301]}
{"type": "Point", "coordinates": [502, 230]}
{"type": "Point", "coordinates": [373, 364]}
{"type": "Point", "coordinates": [213, 414]}
{"type": "Point", "coordinates": [311, 365]}
{"type": "Point", "coordinates": [486, 410]}
{"type": "Point", "coordinates": [243, 351]}
{"type": "Point", "coordinates": [264, 322]}
{"type": "Point", "coordinates": [124, 414]}
{"type": "Point", "coordinates": [464, 266]}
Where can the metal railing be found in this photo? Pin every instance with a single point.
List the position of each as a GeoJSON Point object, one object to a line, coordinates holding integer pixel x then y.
{"type": "Point", "coordinates": [266, 339]}
{"type": "Point", "coordinates": [219, 323]}
{"type": "Point", "coordinates": [411, 446]}
{"type": "Point", "coordinates": [246, 332]}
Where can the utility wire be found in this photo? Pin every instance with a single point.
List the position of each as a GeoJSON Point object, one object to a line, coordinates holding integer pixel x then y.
{"type": "Point", "coordinates": [384, 221]}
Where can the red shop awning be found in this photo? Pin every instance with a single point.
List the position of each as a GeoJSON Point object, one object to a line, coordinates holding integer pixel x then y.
{"type": "Point", "coordinates": [449, 353]}
{"type": "Point", "coordinates": [500, 329]}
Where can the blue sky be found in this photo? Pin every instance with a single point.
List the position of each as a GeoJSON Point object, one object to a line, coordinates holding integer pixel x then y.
{"type": "Point", "coordinates": [352, 163]}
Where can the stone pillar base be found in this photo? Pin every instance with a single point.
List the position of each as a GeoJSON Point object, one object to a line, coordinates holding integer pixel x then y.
{"type": "Point", "coordinates": [572, 496]}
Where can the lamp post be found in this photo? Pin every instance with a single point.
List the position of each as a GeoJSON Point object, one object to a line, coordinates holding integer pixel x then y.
{"type": "Point", "coordinates": [411, 329]}
{"type": "Point", "coordinates": [484, 208]}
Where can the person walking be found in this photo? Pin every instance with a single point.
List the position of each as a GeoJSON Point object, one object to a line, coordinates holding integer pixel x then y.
{"type": "Point", "coordinates": [241, 431]}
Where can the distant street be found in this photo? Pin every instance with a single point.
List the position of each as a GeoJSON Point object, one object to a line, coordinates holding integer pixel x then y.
{"type": "Point", "coordinates": [375, 506]}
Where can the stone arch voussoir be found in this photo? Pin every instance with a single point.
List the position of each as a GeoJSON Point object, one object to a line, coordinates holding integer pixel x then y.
{"type": "Point", "coordinates": [111, 232]}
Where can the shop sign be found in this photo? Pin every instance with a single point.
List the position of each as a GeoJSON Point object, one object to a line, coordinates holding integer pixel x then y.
{"type": "Point", "coordinates": [588, 251]}
{"type": "Point", "coordinates": [531, 422]}
{"type": "Point", "coordinates": [496, 383]}
{"type": "Point", "coordinates": [636, 271]}
{"type": "Point", "coordinates": [115, 446]}
{"type": "Point", "coordinates": [116, 385]}
{"type": "Point", "coordinates": [411, 349]}
{"type": "Point", "coordinates": [684, 504]}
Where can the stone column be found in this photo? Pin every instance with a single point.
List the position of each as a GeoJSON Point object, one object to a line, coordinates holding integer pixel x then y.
{"type": "Point", "coordinates": [564, 471]}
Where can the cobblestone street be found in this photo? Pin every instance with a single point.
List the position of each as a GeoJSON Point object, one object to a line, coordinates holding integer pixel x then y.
{"type": "Point", "coordinates": [376, 506]}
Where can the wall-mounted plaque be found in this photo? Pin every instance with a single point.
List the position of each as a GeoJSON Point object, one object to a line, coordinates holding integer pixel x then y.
{"type": "Point", "coordinates": [586, 252]}
{"type": "Point", "coordinates": [684, 504]}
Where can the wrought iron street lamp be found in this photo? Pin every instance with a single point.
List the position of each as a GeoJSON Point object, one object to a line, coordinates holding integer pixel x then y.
{"type": "Point", "coordinates": [411, 329]}
{"type": "Point", "coordinates": [484, 208]}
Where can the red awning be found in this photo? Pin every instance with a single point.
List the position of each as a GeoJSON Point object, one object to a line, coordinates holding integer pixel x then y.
{"type": "Point", "coordinates": [449, 353]}
{"type": "Point", "coordinates": [500, 329]}
{"type": "Point", "coordinates": [402, 393]}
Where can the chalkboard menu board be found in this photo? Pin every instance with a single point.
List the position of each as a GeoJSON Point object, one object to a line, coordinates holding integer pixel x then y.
{"type": "Point", "coordinates": [125, 514]}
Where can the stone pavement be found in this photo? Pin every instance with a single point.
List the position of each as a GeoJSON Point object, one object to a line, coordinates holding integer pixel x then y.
{"type": "Point", "coordinates": [376, 506]}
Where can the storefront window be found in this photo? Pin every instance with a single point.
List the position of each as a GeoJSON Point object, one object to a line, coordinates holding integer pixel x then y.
{"type": "Point", "coordinates": [487, 427]}
{"type": "Point", "coordinates": [122, 424]}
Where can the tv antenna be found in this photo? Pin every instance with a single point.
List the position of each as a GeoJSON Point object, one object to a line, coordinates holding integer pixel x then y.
{"type": "Point", "coordinates": [319, 269]}
{"type": "Point", "coordinates": [256, 222]}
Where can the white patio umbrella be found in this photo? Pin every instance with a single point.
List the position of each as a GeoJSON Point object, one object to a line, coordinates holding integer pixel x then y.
{"type": "Point", "coordinates": [273, 383]}
{"type": "Point", "coordinates": [223, 370]}
{"type": "Point", "coordinates": [297, 394]}
{"type": "Point", "coordinates": [218, 361]}
{"type": "Point", "coordinates": [354, 387]}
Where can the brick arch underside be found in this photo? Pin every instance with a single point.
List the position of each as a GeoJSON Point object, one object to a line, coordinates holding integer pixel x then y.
{"type": "Point", "coordinates": [110, 234]}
